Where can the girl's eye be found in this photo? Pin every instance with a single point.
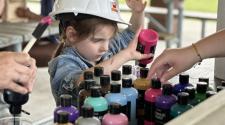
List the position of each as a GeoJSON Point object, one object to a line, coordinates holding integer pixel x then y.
{"type": "Point", "coordinates": [98, 40]}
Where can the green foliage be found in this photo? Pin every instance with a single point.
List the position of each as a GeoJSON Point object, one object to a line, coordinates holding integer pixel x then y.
{"type": "Point", "coordinates": [201, 5]}
{"type": "Point", "coordinates": [196, 5]}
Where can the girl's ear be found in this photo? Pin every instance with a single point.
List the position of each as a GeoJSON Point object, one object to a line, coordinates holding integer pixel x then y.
{"type": "Point", "coordinates": [71, 34]}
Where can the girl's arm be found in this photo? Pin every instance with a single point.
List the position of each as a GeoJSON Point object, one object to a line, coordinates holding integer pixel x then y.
{"type": "Point", "coordinates": [129, 53]}
{"type": "Point", "coordinates": [137, 18]}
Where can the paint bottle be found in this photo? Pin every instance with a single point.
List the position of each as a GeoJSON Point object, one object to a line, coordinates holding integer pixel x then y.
{"type": "Point", "coordinates": [115, 96]}
{"type": "Point", "coordinates": [66, 105]}
{"type": "Point", "coordinates": [86, 92]}
{"type": "Point", "coordinates": [147, 41]}
{"type": "Point", "coordinates": [87, 116]}
{"type": "Point", "coordinates": [87, 75]}
{"type": "Point", "coordinates": [223, 83]}
{"type": "Point", "coordinates": [203, 79]}
{"type": "Point", "coordinates": [183, 82]}
{"type": "Point", "coordinates": [201, 91]}
{"type": "Point", "coordinates": [115, 116]}
{"type": "Point", "coordinates": [181, 106]}
{"type": "Point", "coordinates": [141, 84]}
{"type": "Point", "coordinates": [220, 88]}
{"type": "Point", "coordinates": [192, 92]}
{"type": "Point", "coordinates": [98, 71]}
{"type": "Point", "coordinates": [127, 72]}
{"type": "Point", "coordinates": [62, 118]}
{"type": "Point", "coordinates": [131, 94]}
{"type": "Point", "coordinates": [98, 102]}
{"type": "Point", "coordinates": [150, 97]}
{"type": "Point", "coordinates": [116, 77]}
{"type": "Point", "coordinates": [210, 93]}
{"type": "Point", "coordinates": [105, 84]}
{"type": "Point", "coordinates": [163, 104]}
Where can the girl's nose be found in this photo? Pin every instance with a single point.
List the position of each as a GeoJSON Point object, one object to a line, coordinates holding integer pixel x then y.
{"type": "Point", "coordinates": [104, 47]}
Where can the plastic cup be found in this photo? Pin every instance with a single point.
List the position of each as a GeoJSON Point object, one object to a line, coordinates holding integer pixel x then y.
{"type": "Point", "coordinates": [15, 121]}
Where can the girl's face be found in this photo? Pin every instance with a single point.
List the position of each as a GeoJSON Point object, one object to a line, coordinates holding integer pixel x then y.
{"type": "Point", "coordinates": [95, 45]}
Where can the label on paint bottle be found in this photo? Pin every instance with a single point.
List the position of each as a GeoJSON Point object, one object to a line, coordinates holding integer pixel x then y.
{"type": "Point", "coordinates": [140, 107]}
{"type": "Point", "coordinates": [128, 110]}
{"type": "Point", "coordinates": [124, 109]}
{"type": "Point", "coordinates": [149, 111]}
{"type": "Point", "coordinates": [162, 116]}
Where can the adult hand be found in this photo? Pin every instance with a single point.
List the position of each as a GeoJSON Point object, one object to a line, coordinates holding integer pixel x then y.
{"type": "Point", "coordinates": [2, 5]}
{"type": "Point", "coordinates": [17, 68]}
{"type": "Point", "coordinates": [136, 5]}
{"type": "Point", "coordinates": [172, 62]}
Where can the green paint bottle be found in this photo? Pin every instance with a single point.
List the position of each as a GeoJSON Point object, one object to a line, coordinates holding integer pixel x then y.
{"type": "Point", "coordinates": [181, 106]}
{"type": "Point", "coordinates": [98, 102]}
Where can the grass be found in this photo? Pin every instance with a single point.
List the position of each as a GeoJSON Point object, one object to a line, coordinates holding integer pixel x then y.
{"type": "Point", "coordinates": [197, 5]}
{"type": "Point", "coordinates": [201, 5]}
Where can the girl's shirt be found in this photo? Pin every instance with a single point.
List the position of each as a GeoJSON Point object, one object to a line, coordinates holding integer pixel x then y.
{"type": "Point", "coordinates": [66, 68]}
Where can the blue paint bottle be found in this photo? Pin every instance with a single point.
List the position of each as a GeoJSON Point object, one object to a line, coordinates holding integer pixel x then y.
{"type": "Point", "coordinates": [131, 94]}
{"type": "Point", "coordinates": [183, 82]}
{"type": "Point", "coordinates": [115, 96]}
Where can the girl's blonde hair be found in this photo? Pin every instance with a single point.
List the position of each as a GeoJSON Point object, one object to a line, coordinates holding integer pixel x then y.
{"type": "Point", "coordinates": [84, 25]}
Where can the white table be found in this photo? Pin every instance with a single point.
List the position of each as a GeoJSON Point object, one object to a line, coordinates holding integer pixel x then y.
{"type": "Point", "coordinates": [12, 35]}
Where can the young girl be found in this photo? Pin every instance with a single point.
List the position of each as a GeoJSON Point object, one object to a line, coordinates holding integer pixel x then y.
{"type": "Point", "coordinates": [89, 34]}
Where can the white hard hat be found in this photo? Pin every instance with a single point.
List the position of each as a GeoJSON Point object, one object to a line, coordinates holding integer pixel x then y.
{"type": "Point", "coordinates": [108, 9]}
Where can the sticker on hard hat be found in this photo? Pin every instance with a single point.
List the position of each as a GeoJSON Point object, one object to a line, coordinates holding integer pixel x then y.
{"type": "Point", "coordinates": [114, 6]}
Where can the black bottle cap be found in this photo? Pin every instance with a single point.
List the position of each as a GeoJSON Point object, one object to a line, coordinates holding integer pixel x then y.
{"type": "Point", "coordinates": [65, 100]}
{"type": "Point", "coordinates": [223, 83]}
{"type": "Point", "coordinates": [156, 84]}
{"type": "Point", "coordinates": [104, 80]}
{"type": "Point", "coordinates": [89, 83]}
{"type": "Point", "coordinates": [184, 78]}
{"type": "Point", "coordinates": [191, 91]}
{"type": "Point", "coordinates": [144, 72]}
{"type": "Point", "coordinates": [167, 89]}
{"type": "Point", "coordinates": [15, 100]}
{"type": "Point", "coordinates": [127, 69]}
{"type": "Point", "coordinates": [15, 109]}
{"type": "Point", "coordinates": [142, 65]}
{"type": "Point", "coordinates": [126, 82]}
{"type": "Point", "coordinates": [201, 79]}
{"type": "Point", "coordinates": [98, 71]}
{"type": "Point", "coordinates": [88, 75]}
{"type": "Point", "coordinates": [62, 117]}
{"type": "Point", "coordinates": [115, 75]}
{"type": "Point", "coordinates": [210, 93]}
{"type": "Point", "coordinates": [202, 87]}
{"type": "Point", "coordinates": [183, 98]}
{"type": "Point", "coordinates": [114, 108]}
{"type": "Point", "coordinates": [87, 111]}
{"type": "Point", "coordinates": [115, 88]}
{"type": "Point", "coordinates": [95, 91]}
{"type": "Point", "coordinates": [219, 88]}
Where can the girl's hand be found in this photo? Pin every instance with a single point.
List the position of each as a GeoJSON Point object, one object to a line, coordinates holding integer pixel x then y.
{"type": "Point", "coordinates": [172, 62]}
{"type": "Point", "coordinates": [133, 54]}
{"type": "Point", "coordinates": [136, 5]}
